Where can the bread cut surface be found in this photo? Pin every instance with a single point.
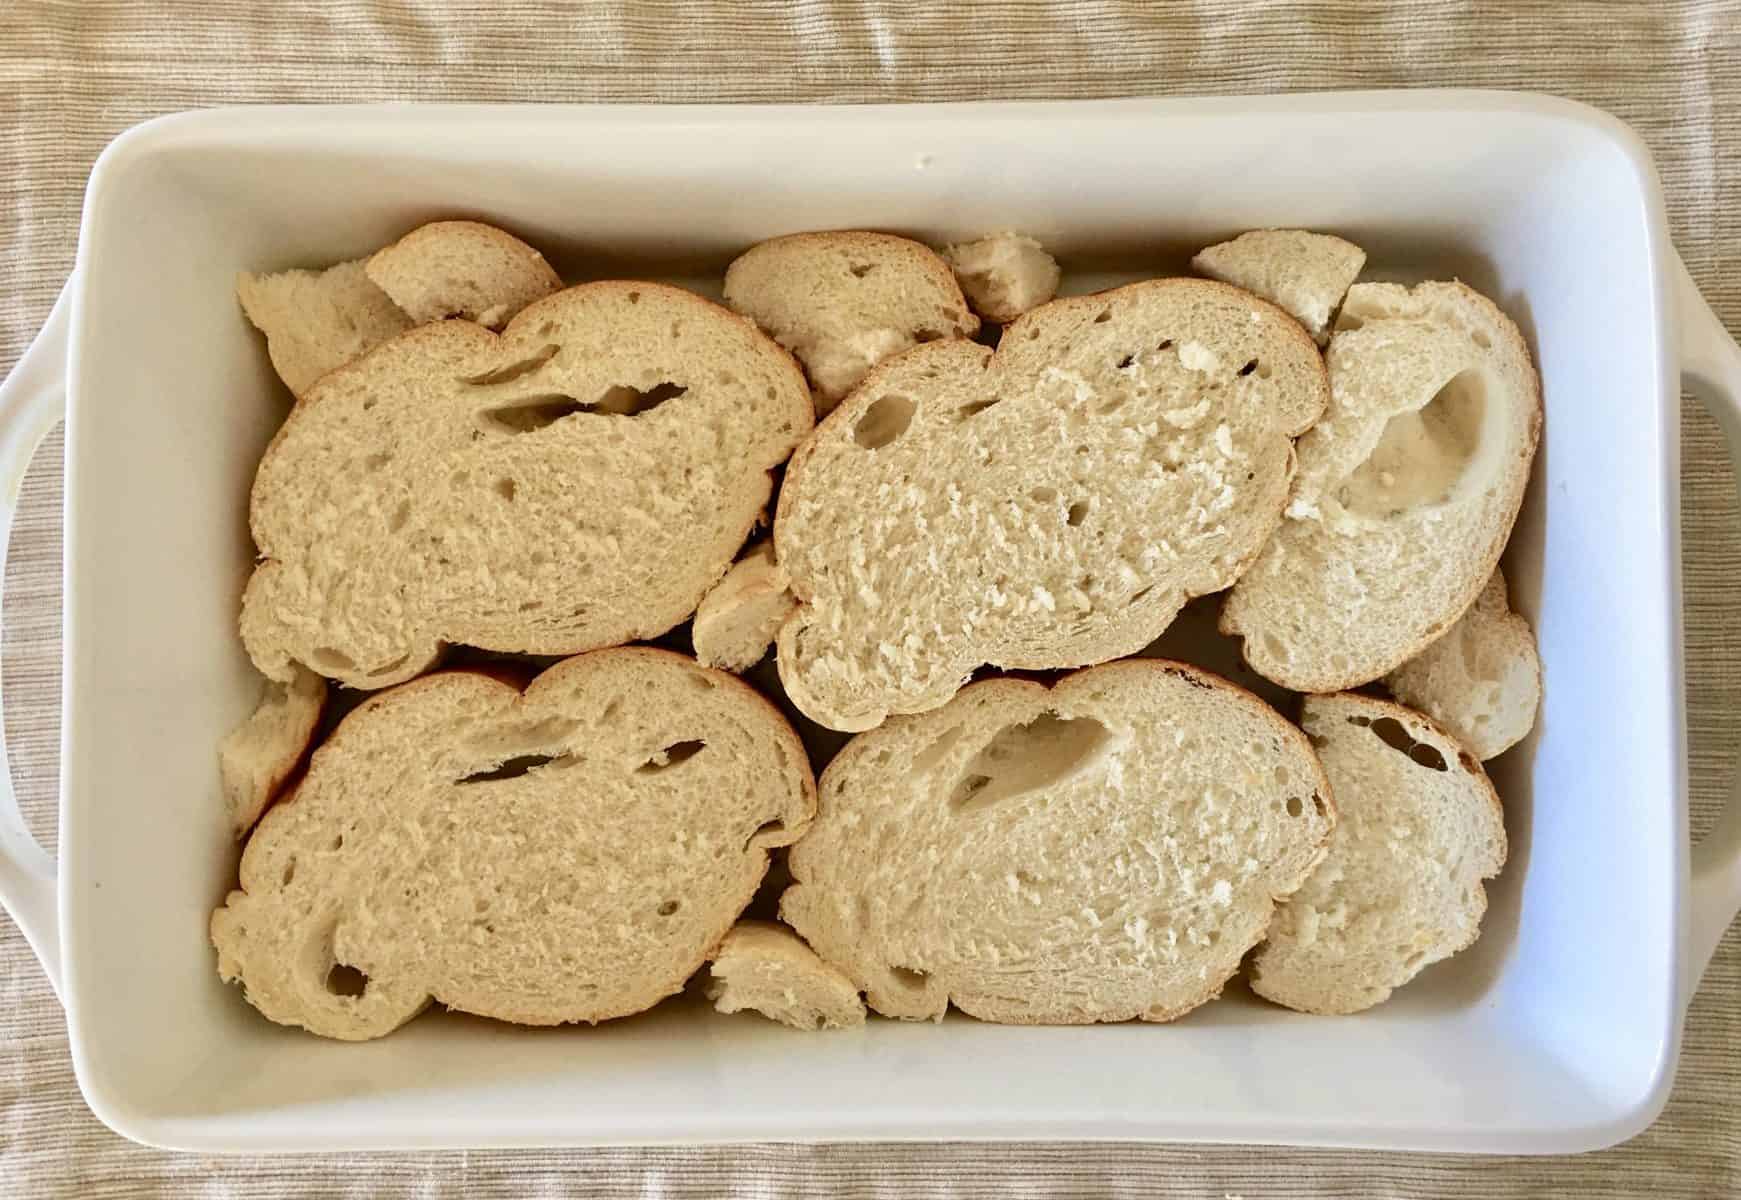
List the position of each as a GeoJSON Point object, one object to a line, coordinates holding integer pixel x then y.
{"type": "Point", "coordinates": [1306, 273]}
{"type": "Point", "coordinates": [1004, 275]}
{"type": "Point", "coordinates": [579, 481]}
{"type": "Point", "coordinates": [317, 321]}
{"type": "Point", "coordinates": [738, 619]}
{"type": "Point", "coordinates": [259, 756]}
{"type": "Point", "coordinates": [461, 269]}
{"type": "Point", "coordinates": [1406, 493]}
{"type": "Point", "coordinates": [1419, 827]}
{"type": "Point", "coordinates": [845, 301]}
{"type": "Point", "coordinates": [1482, 681]}
{"type": "Point", "coordinates": [1102, 850]}
{"type": "Point", "coordinates": [571, 853]}
{"type": "Point", "coordinates": [764, 967]}
{"type": "Point", "coordinates": [1048, 505]}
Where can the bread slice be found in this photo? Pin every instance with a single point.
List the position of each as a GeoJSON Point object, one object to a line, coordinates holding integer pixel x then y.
{"type": "Point", "coordinates": [570, 853]}
{"type": "Point", "coordinates": [1406, 493]}
{"type": "Point", "coordinates": [738, 619]}
{"type": "Point", "coordinates": [1482, 681]}
{"type": "Point", "coordinates": [1004, 275]}
{"type": "Point", "coordinates": [1048, 505]}
{"type": "Point", "coordinates": [1102, 850]}
{"type": "Point", "coordinates": [765, 967]}
{"type": "Point", "coordinates": [580, 481]}
{"type": "Point", "coordinates": [843, 302]}
{"type": "Point", "coordinates": [317, 321]}
{"type": "Point", "coordinates": [1400, 887]}
{"type": "Point", "coordinates": [462, 269]}
{"type": "Point", "coordinates": [1306, 273]}
{"type": "Point", "coordinates": [259, 756]}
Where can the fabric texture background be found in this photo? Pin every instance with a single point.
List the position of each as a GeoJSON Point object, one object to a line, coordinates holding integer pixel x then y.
{"type": "Point", "coordinates": [73, 75]}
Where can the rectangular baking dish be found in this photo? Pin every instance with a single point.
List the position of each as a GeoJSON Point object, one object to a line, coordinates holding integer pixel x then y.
{"type": "Point", "coordinates": [1558, 1031]}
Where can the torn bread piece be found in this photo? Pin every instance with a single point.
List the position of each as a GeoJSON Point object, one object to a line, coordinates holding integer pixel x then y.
{"type": "Point", "coordinates": [764, 967]}
{"type": "Point", "coordinates": [1306, 273]}
{"type": "Point", "coordinates": [1419, 828]}
{"type": "Point", "coordinates": [571, 852]}
{"type": "Point", "coordinates": [843, 302]}
{"type": "Point", "coordinates": [259, 756]}
{"type": "Point", "coordinates": [1406, 493]}
{"type": "Point", "coordinates": [1004, 275]}
{"type": "Point", "coordinates": [462, 269]}
{"type": "Point", "coordinates": [1482, 681]}
{"type": "Point", "coordinates": [737, 620]}
{"type": "Point", "coordinates": [317, 321]}
{"type": "Point", "coordinates": [1105, 849]}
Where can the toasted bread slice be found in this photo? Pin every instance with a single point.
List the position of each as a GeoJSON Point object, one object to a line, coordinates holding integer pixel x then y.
{"type": "Point", "coordinates": [1306, 273]}
{"type": "Point", "coordinates": [580, 481]}
{"type": "Point", "coordinates": [1050, 505]}
{"type": "Point", "coordinates": [1004, 275]}
{"type": "Point", "coordinates": [317, 321]}
{"type": "Point", "coordinates": [462, 269]}
{"type": "Point", "coordinates": [1482, 681]}
{"type": "Point", "coordinates": [259, 756]}
{"type": "Point", "coordinates": [843, 302]}
{"type": "Point", "coordinates": [1400, 887]}
{"type": "Point", "coordinates": [738, 619]}
{"type": "Point", "coordinates": [765, 967]}
{"type": "Point", "coordinates": [1406, 493]}
{"type": "Point", "coordinates": [1101, 850]}
{"type": "Point", "coordinates": [571, 853]}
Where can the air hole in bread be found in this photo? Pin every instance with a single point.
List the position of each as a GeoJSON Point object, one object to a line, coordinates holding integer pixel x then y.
{"type": "Point", "coordinates": [376, 461]}
{"type": "Point", "coordinates": [513, 768]}
{"type": "Point", "coordinates": [1295, 808]}
{"type": "Point", "coordinates": [531, 414]}
{"type": "Point", "coordinates": [514, 370]}
{"type": "Point", "coordinates": [1126, 361]}
{"type": "Point", "coordinates": [289, 873]}
{"type": "Point", "coordinates": [907, 977]}
{"type": "Point", "coordinates": [337, 843]}
{"type": "Point", "coordinates": [1394, 734]}
{"type": "Point", "coordinates": [505, 488]}
{"type": "Point", "coordinates": [1140, 593]}
{"type": "Point", "coordinates": [1103, 316]}
{"type": "Point", "coordinates": [1043, 495]}
{"type": "Point", "coordinates": [625, 401]}
{"type": "Point", "coordinates": [1026, 757]}
{"type": "Point", "coordinates": [974, 408]}
{"type": "Point", "coordinates": [634, 297]}
{"type": "Point", "coordinates": [400, 515]}
{"type": "Point", "coordinates": [669, 907]}
{"type": "Point", "coordinates": [1248, 368]}
{"type": "Point", "coordinates": [346, 980]}
{"type": "Point", "coordinates": [1422, 455]}
{"type": "Point", "coordinates": [1164, 344]}
{"type": "Point", "coordinates": [1077, 514]}
{"type": "Point", "coordinates": [885, 420]}
{"type": "Point", "coordinates": [860, 270]}
{"type": "Point", "coordinates": [1480, 338]}
{"type": "Point", "coordinates": [673, 755]}
{"type": "Point", "coordinates": [327, 660]}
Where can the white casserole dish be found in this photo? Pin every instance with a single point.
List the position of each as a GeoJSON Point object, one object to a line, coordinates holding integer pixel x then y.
{"type": "Point", "coordinates": [1558, 1031]}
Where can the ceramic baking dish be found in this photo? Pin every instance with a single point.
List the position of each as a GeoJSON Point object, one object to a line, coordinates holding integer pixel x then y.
{"type": "Point", "coordinates": [1558, 1031]}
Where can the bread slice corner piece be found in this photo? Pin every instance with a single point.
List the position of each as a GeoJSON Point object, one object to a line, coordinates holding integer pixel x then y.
{"type": "Point", "coordinates": [1004, 275]}
{"type": "Point", "coordinates": [1105, 849]}
{"type": "Point", "coordinates": [1400, 887]}
{"type": "Point", "coordinates": [763, 967]}
{"type": "Point", "coordinates": [844, 301]}
{"type": "Point", "coordinates": [1050, 504]}
{"type": "Point", "coordinates": [1481, 681]}
{"type": "Point", "coordinates": [462, 269]}
{"type": "Point", "coordinates": [258, 757]}
{"type": "Point", "coordinates": [1406, 492]}
{"type": "Point", "coordinates": [571, 852]}
{"type": "Point", "coordinates": [1306, 273]}
{"type": "Point", "coordinates": [317, 321]}
{"type": "Point", "coordinates": [736, 622]}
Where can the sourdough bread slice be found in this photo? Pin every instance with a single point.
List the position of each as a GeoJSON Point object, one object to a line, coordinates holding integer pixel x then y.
{"type": "Point", "coordinates": [259, 756]}
{"type": "Point", "coordinates": [738, 619]}
{"type": "Point", "coordinates": [1048, 505]}
{"type": "Point", "coordinates": [1406, 493]}
{"type": "Point", "coordinates": [765, 967]}
{"type": "Point", "coordinates": [580, 481]}
{"type": "Point", "coordinates": [1400, 887]}
{"type": "Point", "coordinates": [843, 302]}
{"type": "Point", "coordinates": [1482, 681]}
{"type": "Point", "coordinates": [571, 853]}
{"type": "Point", "coordinates": [462, 269]}
{"type": "Point", "coordinates": [1102, 850]}
{"type": "Point", "coordinates": [1306, 273]}
{"type": "Point", "coordinates": [1004, 275]}
{"type": "Point", "coordinates": [317, 321]}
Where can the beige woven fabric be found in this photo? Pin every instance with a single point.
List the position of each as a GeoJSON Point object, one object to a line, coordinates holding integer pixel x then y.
{"type": "Point", "coordinates": [73, 75]}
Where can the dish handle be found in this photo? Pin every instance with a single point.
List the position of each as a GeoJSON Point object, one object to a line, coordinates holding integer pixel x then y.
{"type": "Point", "coordinates": [32, 399]}
{"type": "Point", "coordinates": [1711, 371]}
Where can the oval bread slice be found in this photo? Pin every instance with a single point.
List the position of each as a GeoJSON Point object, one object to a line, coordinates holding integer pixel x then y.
{"type": "Point", "coordinates": [1102, 850]}
{"type": "Point", "coordinates": [258, 757]}
{"type": "Point", "coordinates": [571, 853]}
{"type": "Point", "coordinates": [765, 967]}
{"type": "Point", "coordinates": [738, 619]}
{"type": "Point", "coordinates": [461, 269]}
{"type": "Point", "coordinates": [578, 482]}
{"type": "Point", "coordinates": [1400, 887]}
{"type": "Point", "coordinates": [1406, 494]}
{"type": "Point", "coordinates": [1052, 504]}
